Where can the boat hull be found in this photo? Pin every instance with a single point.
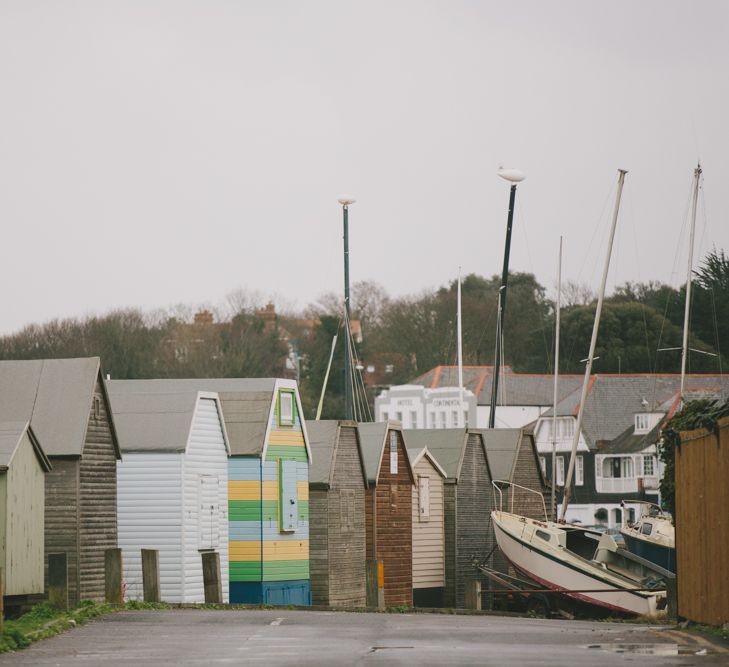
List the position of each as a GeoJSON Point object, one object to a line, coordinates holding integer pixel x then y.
{"type": "Point", "coordinates": [551, 572]}
{"type": "Point", "coordinates": [659, 554]}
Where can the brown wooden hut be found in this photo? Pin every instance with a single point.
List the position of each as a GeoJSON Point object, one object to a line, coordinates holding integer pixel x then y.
{"type": "Point", "coordinates": [468, 501]}
{"type": "Point", "coordinates": [65, 401]}
{"type": "Point", "coordinates": [337, 484]}
{"type": "Point", "coordinates": [388, 507]}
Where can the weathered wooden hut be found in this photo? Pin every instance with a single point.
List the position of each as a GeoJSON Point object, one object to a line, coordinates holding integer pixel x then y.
{"type": "Point", "coordinates": [468, 501]}
{"type": "Point", "coordinates": [23, 466]}
{"type": "Point", "coordinates": [337, 540]}
{"type": "Point", "coordinates": [66, 403]}
{"type": "Point", "coordinates": [172, 484]}
{"type": "Point", "coordinates": [428, 528]}
{"type": "Point", "coordinates": [513, 457]}
{"type": "Point", "coordinates": [388, 507]}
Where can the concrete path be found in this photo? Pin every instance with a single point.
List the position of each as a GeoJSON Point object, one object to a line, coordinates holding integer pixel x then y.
{"type": "Point", "coordinates": [285, 637]}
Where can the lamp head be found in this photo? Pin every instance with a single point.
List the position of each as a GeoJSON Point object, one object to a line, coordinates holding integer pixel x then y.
{"type": "Point", "coordinates": [511, 175]}
{"type": "Point", "coordinates": [346, 200]}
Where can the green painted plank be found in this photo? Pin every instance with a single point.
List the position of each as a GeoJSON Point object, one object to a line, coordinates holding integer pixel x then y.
{"type": "Point", "coordinates": [303, 510]}
{"type": "Point", "coordinates": [249, 570]}
{"type": "Point", "coordinates": [286, 452]}
{"type": "Point", "coordinates": [250, 510]}
{"type": "Point", "coordinates": [283, 570]}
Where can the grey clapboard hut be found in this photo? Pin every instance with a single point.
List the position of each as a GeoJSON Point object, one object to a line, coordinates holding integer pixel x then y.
{"type": "Point", "coordinates": [468, 501]}
{"type": "Point", "coordinates": [337, 484]}
{"type": "Point", "coordinates": [23, 467]}
{"type": "Point", "coordinates": [66, 403]}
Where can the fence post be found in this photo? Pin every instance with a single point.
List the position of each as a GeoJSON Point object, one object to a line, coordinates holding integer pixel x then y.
{"type": "Point", "coordinates": [58, 581]}
{"type": "Point", "coordinates": [150, 575]}
{"type": "Point", "coordinates": [211, 577]}
{"type": "Point", "coordinates": [113, 576]}
{"type": "Point", "coordinates": [2, 610]}
{"type": "Point", "coordinates": [375, 571]}
{"type": "Point", "coordinates": [473, 594]}
{"type": "Point", "coordinates": [671, 598]}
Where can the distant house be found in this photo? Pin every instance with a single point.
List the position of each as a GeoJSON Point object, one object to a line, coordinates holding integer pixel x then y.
{"type": "Point", "coordinates": [172, 483]}
{"type": "Point", "coordinates": [617, 455]}
{"type": "Point", "coordinates": [428, 529]}
{"type": "Point", "coordinates": [66, 403]}
{"type": "Point", "coordinates": [337, 540]}
{"type": "Point", "coordinates": [23, 467]}
{"type": "Point", "coordinates": [388, 507]}
{"type": "Point", "coordinates": [417, 407]}
{"type": "Point", "coordinates": [468, 501]}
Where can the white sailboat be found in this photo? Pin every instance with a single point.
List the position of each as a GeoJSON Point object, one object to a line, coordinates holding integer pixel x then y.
{"type": "Point", "coordinates": [579, 563]}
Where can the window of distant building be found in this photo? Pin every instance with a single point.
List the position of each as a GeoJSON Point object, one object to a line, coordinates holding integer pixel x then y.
{"type": "Point", "coordinates": [465, 417]}
{"type": "Point", "coordinates": [649, 466]}
{"type": "Point", "coordinates": [389, 368]}
{"type": "Point", "coordinates": [454, 414]}
{"type": "Point", "coordinates": [398, 416]}
{"type": "Point", "coordinates": [560, 471]}
{"type": "Point", "coordinates": [432, 420]}
{"type": "Point", "coordinates": [443, 422]}
{"type": "Point", "coordinates": [385, 416]}
{"type": "Point", "coordinates": [579, 471]}
{"type": "Point", "coordinates": [642, 423]}
{"type": "Point", "coordinates": [414, 418]}
{"type": "Point", "coordinates": [543, 465]}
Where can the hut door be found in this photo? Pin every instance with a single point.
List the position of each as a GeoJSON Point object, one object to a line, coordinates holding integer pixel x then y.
{"type": "Point", "coordinates": [287, 494]}
{"type": "Point", "coordinates": [209, 511]}
{"type": "Point", "coordinates": [424, 498]}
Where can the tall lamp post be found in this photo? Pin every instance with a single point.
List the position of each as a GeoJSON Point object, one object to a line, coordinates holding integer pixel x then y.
{"type": "Point", "coordinates": [514, 176]}
{"type": "Point", "coordinates": [346, 201]}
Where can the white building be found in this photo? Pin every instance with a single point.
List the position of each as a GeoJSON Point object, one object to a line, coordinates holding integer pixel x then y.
{"type": "Point", "coordinates": [414, 406]}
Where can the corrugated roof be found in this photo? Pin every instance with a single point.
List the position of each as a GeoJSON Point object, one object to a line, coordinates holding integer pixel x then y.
{"type": "Point", "coordinates": [11, 435]}
{"type": "Point", "coordinates": [55, 396]}
{"type": "Point", "coordinates": [446, 446]}
{"type": "Point", "coordinates": [323, 441]}
{"type": "Point", "coordinates": [502, 446]}
{"type": "Point", "coordinates": [372, 440]}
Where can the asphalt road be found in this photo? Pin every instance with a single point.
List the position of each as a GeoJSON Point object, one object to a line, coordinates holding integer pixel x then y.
{"type": "Point", "coordinates": [285, 637]}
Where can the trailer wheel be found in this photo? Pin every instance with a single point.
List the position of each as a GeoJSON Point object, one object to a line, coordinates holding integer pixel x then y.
{"type": "Point", "coordinates": [538, 606]}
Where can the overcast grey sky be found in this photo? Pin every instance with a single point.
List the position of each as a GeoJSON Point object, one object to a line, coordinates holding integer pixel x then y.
{"type": "Point", "coordinates": [161, 152]}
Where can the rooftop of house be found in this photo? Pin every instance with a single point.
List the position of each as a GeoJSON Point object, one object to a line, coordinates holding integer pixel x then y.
{"type": "Point", "coordinates": [11, 435]}
{"type": "Point", "coordinates": [323, 438]}
{"type": "Point", "coordinates": [446, 446]}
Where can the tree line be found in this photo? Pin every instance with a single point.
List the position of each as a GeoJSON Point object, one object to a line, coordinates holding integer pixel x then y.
{"type": "Point", "coordinates": [640, 328]}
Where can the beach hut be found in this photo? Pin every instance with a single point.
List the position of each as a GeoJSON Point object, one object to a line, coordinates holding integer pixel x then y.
{"type": "Point", "coordinates": [23, 467]}
{"type": "Point", "coordinates": [66, 403]}
{"type": "Point", "coordinates": [337, 484]}
{"type": "Point", "coordinates": [513, 457]}
{"type": "Point", "coordinates": [428, 528]}
{"type": "Point", "coordinates": [388, 507]}
{"type": "Point", "coordinates": [468, 501]}
{"type": "Point", "coordinates": [172, 484]}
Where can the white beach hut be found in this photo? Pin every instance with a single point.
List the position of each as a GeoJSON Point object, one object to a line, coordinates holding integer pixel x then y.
{"type": "Point", "coordinates": [172, 484]}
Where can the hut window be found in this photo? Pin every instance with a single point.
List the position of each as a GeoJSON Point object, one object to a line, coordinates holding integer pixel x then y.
{"type": "Point", "coordinates": [286, 408]}
{"type": "Point", "coordinates": [346, 510]}
{"type": "Point", "coordinates": [97, 407]}
{"type": "Point", "coordinates": [393, 453]}
{"type": "Point", "coordinates": [579, 471]}
{"type": "Point", "coordinates": [393, 497]}
{"type": "Point", "coordinates": [424, 498]}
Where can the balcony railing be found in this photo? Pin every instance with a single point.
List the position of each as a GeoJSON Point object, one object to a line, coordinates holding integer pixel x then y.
{"type": "Point", "coordinates": [617, 484]}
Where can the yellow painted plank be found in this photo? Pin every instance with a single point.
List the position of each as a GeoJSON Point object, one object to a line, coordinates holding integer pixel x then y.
{"type": "Point", "coordinates": [251, 490]}
{"type": "Point", "coordinates": [285, 550]}
{"type": "Point", "coordinates": [302, 490]}
{"type": "Point", "coordinates": [288, 438]}
{"type": "Point", "coordinates": [244, 550]}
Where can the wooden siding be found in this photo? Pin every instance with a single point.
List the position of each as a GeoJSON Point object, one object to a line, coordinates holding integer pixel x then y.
{"type": "Point", "coordinates": [346, 524]}
{"type": "Point", "coordinates": [428, 536]}
{"type": "Point", "coordinates": [702, 528]}
{"type": "Point", "coordinates": [450, 511]}
{"type": "Point", "coordinates": [527, 473]}
{"type": "Point", "coordinates": [319, 545]}
{"type": "Point", "coordinates": [22, 494]}
{"type": "Point", "coordinates": [97, 524]}
{"type": "Point", "coordinates": [150, 517]}
{"type": "Point", "coordinates": [389, 526]}
{"type": "Point", "coordinates": [61, 517]}
{"type": "Point", "coordinates": [474, 536]}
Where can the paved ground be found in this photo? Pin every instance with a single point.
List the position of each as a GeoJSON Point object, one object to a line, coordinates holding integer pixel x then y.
{"type": "Point", "coordinates": [284, 637]}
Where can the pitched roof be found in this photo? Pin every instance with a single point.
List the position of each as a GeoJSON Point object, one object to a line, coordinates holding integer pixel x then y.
{"type": "Point", "coordinates": [372, 441]}
{"type": "Point", "coordinates": [55, 396]}
{"type": "Point", "coordinates": [246, 405]}
{"type": "Point", "coordinates": [11, 435]}
{"type": "Point", "coordinates": [446, 445]}
{"type": "Point", "coordinates": [502, 446]}
{"type": "Point", "coordinates": [324, 440]}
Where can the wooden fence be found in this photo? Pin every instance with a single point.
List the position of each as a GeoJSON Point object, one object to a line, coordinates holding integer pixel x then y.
{"type": "Point", "coordinates": [702, 524]}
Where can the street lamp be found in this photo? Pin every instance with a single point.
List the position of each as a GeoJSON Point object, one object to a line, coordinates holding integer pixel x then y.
{"type": "Point", "coordinates": [514, 176]}
{"type": "Point", "coordinates": [346, 201]}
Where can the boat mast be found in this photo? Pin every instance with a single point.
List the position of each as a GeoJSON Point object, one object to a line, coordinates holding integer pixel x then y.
{"type": "Point", "coordinates": [687, 307]}
{"type": "Point", "coordinates": [593, 343]}
{"type": "Point", "coordinates": [557, 307]}
{"type": "Point", "coordinates": [460, 349]}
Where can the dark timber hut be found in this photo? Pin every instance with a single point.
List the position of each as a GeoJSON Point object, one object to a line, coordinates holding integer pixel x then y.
{"type": "Point", "coordinates": [65, 401]}
{"type": "Point", "coordinates": [337, 484]}
{"type": "Point", "coordinates": [513, 457]}
{"type": "Point", "coordinates": [388, 507]}
{"type": "Point", "coordinates": [467, 500]}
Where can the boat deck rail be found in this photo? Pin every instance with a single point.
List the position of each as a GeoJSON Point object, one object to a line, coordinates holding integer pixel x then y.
{"type": "Point", "coordinates": [500, 484]}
